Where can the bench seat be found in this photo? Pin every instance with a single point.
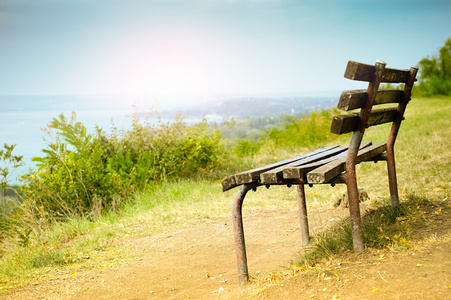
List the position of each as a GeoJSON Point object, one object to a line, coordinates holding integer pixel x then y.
{"type": "Point", "coordinates": [323, 166]}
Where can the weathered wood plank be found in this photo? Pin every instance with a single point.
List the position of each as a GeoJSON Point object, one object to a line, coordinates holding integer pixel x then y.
{"type": "Point", "coordinates": [300, 171]}
{"type": "Point", "coordinates": [254, 174]}
{"type": "Point", "coordinates": [328, 171]}
{"type": "Point", "coordinates": [350, 100]}
{"type": "Point", "coordinates": [364, 72]}
{"type": "Point", "coordinates": [274, 176]}
{"type": "Point", "coordinates": [382, 116]}
{"type": "Point", "coordinates": [228, 183]}
{"type": "Point", "coordinates": [351, 122]}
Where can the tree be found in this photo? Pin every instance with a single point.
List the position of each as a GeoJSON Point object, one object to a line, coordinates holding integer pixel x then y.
{"type": "Point", "coordinates": [435, 73]}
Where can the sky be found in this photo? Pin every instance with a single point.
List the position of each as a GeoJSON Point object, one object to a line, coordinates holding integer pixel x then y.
{"type": "Point", "coordinates": [206, 48]}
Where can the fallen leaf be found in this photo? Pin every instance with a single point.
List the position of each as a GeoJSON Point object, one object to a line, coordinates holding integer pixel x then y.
{"type": "Point", "coordinates": [299, 268]}
{"type": "Point", "coordinates": [375, 290]}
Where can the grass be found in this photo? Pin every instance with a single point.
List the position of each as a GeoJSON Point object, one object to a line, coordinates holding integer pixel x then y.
{"type": "Point", "coordinates": [423, 165]}
{"type": "Point", "coordinates": [383, 228]}
{"type": "Point", "coordinates": [89, 244]}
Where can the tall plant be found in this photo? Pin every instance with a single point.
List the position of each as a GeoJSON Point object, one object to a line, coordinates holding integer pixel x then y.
{"type": "Point", "coordinates": [10, 163]}
{"type": "Point", "coordinates": [82, 174]}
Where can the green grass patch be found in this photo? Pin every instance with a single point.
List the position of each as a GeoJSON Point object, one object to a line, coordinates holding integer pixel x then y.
{"type": "Point", "coordinates": [383, 228]}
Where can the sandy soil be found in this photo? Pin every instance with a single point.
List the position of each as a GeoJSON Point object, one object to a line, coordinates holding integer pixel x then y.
{"type": "Point", "coordinates": [198, 262]}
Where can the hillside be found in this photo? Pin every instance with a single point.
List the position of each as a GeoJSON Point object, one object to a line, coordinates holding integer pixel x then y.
{"type": "Point", "coordinates": [184, 249]}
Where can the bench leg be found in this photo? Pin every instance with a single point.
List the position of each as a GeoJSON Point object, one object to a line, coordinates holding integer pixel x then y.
{"type": "Point", "coordinates": [303, 214]}
{"type": "Point", "coordinates": [392, 180]}
{"type": "Point", "coordinates": [238, 232]}
{"type": "Point", "coordinates": [354, 209]}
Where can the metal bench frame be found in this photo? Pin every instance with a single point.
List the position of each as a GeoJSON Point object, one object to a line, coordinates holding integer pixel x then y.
{"type": "Point", "coordinates": [332, 165]}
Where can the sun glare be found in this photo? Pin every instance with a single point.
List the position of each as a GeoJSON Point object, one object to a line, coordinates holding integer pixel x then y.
{"type": "Point", "coordinates": [166, 63]}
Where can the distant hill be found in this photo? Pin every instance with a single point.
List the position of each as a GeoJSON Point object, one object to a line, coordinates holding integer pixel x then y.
{"type": "Point", "coordinates": [256, 107]}
{"type": "Point", "coordinates": [237, 107]}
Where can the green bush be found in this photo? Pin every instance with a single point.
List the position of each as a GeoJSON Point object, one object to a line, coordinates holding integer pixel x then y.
{"type": "Point", "coordinates": [246, 147]}
{"type": "Point", "coordinates": [83, 175]}
{"type": "Point", "coordinates": [435, 85]}
{"type": "Point", "coordinates": [304, 130]}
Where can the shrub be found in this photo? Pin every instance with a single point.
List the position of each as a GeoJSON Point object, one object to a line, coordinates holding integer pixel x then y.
{"type": "Point", "coordinates": [246, 147]}
{"type": "Point", "coordinates": [83, 175]}
{"type": "Point", "coordinates": [303, 130]}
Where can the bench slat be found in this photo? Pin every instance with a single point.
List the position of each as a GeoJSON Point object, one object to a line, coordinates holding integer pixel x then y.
{"type": "Point", "coordinates": [299, 172]}
{"type": "Point", "coordinates": [350, 122]}
{"type": "Point", "coordinates": [328, 171]}
{"type": "Point", "coordinates": [228, 183]}
{"type": "Point", "coordinates": [364, 72]}
{"type": "Point", "coordinates": [274, 176]}
{"type": "Point", "coordinates": [350, 100]}
{"type": "Point", "coordinates": [254, 174]}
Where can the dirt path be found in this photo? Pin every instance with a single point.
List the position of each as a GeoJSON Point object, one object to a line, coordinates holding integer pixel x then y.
{"type": "Point", "coordinates": [420, 273]}
{"type": "Point", "coordinates": [199, 262]}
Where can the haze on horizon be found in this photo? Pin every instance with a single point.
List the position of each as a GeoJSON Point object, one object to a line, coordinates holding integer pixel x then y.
{"type": "Point", "coordinates": [204, 48]}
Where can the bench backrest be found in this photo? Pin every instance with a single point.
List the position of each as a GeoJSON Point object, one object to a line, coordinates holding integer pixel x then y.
{"type": "Point", "coordinates": [366, 99]}
{"type": "Point", "coordinates": [353, 122]}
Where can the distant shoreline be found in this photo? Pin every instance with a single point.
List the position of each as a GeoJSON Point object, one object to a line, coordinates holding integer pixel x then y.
{"type": "Point", "coordinates": [22, 117]}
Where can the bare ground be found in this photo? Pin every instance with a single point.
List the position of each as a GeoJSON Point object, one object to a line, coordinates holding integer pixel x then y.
{"type": "Point", "coordinates": [198, 262]}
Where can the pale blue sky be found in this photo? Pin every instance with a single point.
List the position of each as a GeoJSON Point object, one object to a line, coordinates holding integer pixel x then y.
{"type": "Point", "coordinates": [200, 47]}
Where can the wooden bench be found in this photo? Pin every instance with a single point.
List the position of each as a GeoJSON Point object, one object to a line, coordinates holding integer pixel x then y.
{"type": "Point", "coordinates": [335, 164]}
